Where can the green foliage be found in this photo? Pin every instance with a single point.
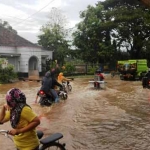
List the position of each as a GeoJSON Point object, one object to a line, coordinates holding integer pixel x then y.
{"type": "Point", "coordinates": [132, 25]}
{"type": "Point", "coordinates": [6, 25]}
{"type": "Point", "coordinates": [91, 69]}
{"type": "Point", "coordinates": [7, 74]}
{"type": "Point", "coordinates": [69, 68]}
{"type": "Point", "coordinates": [52, 39]}
{"type": "Point", "coordinates": [93, 36]}
{"type": "Point", "coordinates": [53, 36]}
{"type": "Point", "coordinates": [112, 30]}
{"type": "Point", "coordinates": [50, 64]}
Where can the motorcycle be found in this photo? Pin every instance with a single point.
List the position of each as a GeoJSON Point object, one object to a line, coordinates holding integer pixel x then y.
{"type": "Point", "coordinates": [146, 82]}
{"type": "Point", "coordinates": [48, 100]}
{"type": "Point", "coordinates": [66, 86]}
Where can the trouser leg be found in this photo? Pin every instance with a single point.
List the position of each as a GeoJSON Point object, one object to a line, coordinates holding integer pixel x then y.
{"type": "Point", "coordinates": [55, 95]}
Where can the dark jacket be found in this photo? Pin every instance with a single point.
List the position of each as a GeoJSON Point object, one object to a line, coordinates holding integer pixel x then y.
{"type": "Point", "coordinates": [148, 75]}
{"type": "Point", "coordinates": [54, 81]}
{"type": "Point", "coordinates": [46, 82]}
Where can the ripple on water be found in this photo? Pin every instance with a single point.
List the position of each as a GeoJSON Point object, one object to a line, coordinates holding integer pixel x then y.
{"type": "Point", "coordinates": [113, 119]}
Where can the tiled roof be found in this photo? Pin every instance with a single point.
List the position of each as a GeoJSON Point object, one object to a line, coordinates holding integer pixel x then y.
{"type": "Point", "coordinates": [8, 38]}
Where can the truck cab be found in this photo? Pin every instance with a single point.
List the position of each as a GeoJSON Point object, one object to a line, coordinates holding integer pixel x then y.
{"type": "Point", "coordinates": [132, 69]}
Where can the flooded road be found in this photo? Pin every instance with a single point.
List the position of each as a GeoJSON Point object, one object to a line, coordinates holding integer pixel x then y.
{"type": "Point", "coordinates": [117, 118]}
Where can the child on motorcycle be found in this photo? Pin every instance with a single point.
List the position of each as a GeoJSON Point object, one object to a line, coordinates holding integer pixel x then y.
{"type": "Point", "coordinates": [53, 89]}
{"type": "Point", "coordinates": [61, 78]}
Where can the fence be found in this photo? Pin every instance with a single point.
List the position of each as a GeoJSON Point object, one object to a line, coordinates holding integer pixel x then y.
{"type": "Point", "coordinates": [89, 69]}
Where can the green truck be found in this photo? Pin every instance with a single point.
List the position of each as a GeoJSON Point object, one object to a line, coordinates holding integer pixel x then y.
{"type": "Point", "coordinates": [132, 69]}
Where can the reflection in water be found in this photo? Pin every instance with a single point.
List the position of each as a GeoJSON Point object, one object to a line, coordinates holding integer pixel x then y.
{"type": "Point", "coordinates": [113, 119]}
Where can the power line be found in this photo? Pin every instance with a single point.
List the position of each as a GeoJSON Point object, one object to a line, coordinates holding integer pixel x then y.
{"type": "Point", "coordinates": [33, 13]}
{"type": "Point", "coordinates": [12, 17]}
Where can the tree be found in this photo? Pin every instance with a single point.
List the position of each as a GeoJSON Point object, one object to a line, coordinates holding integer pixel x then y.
{"type": "Point", "coordinates": [132, 30]}
{"type": "Point", "coordinates": [6, 25]}
{"type": "Point", "coordinates": [92, 37]}
{"type": "Point", "coordinates": [113, 29]}
{"type": "Point", "coordinates": [54, 34]}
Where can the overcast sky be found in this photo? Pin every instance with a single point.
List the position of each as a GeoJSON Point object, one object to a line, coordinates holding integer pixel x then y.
{"type": "Point", "coordinates": [27, 16]}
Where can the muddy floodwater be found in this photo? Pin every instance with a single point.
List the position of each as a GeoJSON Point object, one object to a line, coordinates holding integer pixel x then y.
{"type": "Point", "coordinates": [115, 118]}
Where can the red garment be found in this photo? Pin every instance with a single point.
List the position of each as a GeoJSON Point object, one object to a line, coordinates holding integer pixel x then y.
{"type": "Point", "coordinates": [101, 76]}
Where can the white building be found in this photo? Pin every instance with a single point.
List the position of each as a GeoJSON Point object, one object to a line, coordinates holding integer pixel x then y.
{"type": "Point", "coordinates": [26, 57]}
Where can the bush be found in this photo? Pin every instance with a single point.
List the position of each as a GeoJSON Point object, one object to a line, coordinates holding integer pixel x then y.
{"type": "Point", "coordinates": [91, 70]}
{"type": "Point", "coordinates": [7, 74]}
{"type": "Point", "coordinates": [69, 68]}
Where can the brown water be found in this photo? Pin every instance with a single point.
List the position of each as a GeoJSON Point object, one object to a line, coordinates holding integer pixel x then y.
{"type": "Point", "coordinates": [116, 118]}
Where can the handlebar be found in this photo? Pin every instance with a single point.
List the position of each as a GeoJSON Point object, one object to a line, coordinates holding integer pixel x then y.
{"type": "Point", "coordinates": [5, 133]}
{"type": "Point", "coordinates": [66, 82]}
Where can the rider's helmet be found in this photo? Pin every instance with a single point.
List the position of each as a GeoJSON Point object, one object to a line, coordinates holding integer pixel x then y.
{"type": "Point", "coordinates": [98, 71]}
{"type": "Point", "coordinates": [61, 74]}
{"type": "Point", "coordinates": [15, 96]}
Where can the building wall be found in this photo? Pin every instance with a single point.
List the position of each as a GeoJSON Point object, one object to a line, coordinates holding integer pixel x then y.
{"type": "Point", "coordinates": [8, 52]}
{"type": "Point", "coordinates": [26, 53]}
{"type": "Point", "coordinates": [15, 62]}
{"type": "Point", "coordinates": [22, 55]}
{"type": "Point", "coordinates": [7, 49]}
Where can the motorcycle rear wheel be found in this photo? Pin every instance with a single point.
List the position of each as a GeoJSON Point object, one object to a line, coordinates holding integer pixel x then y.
{"type": "Point", "coordinates": [53, 146]}
{"type": "Point", "coordinates": [45, 102]}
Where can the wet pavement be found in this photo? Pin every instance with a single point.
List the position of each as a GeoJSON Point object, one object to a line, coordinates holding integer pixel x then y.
{"type": "Point", "coordinates": [115, 118]}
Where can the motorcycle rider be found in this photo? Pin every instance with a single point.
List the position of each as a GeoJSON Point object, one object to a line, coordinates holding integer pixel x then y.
{"type": "Point", "coordinates": [98, 72]}
{"type": "Point", "coordinates": [148, 74]}
{"type": "Point", "coordinates": [146, 79]}
{"type": "Point", "coordinates": [100, 78]}
{"type": "Point", "coordinates": [61, 78]}
{"type": "Point", "coordinates": [22, 119]}
{"type": "Point", "coordinates": [48, 85]}
{"type": "Point", "coordinates": [54, 84]}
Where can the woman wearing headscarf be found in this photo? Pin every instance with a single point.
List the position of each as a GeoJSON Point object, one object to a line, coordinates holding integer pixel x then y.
{"type": "Point", "coordinates": [22, 119]}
